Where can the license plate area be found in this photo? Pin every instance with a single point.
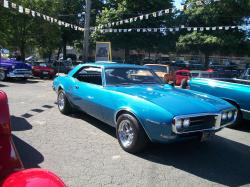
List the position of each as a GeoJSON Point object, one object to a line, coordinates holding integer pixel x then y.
{"type": "Point", "coordinates": [207, 135]}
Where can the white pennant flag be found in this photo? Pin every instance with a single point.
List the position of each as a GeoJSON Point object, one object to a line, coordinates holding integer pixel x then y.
{"type": "Point", "coordinates": [6, 4]}
{"type": "Point", "coordinates": [207, 28]}
{"type": "Point", "coordinates": [213, 28]}
{"type": "Point", "coordinates": [171, 29]}
{"type": "Point", "coordinates": [154, 14]}
{"type": "Point", "coordinates": [129, 30]}
{"type": "Point", "coordinates": [182, 26]}
{"type": "Point", "coordinates": [135, 18]}
{"type": "Point", "coordinates": [131, 20]}
{"type": "Point", "coordinates": [126, 21]}
{"type": "Point", "coordinates": [141, 17]}
{"type": "Point", "coordinates": [166, 11]}
{"type": "Point", "coordinates": [189, 28]}
{"type": "Point", "coordinates": [149, 30]}
{"type": "Point", "coordinates": [144, 30]}
{"type": "Point", "coordinates": [146, 16]}
{"type": "Point", "coordinates": [33, 13]}
{"type": "Point", "coordinates": [155, 29]}
{"type": "Point", "coordinates": [115, 30]}
{"type": "Point", "coordinates": [177, 29]}
{"type": "Point", "coordinates": [59, 23]}
{"type": "Point", "coordinates": [125, 30]}
{"type": "Point", "coordinates": [220, 28]}
{"type": "Point", "coordinates": [201, 29]}
{"type": "Point", "coordinates": [160, 13]}
{"type": "Point", "coordinates": [120, 30]}
{"type": "Point", "coordinates": [38, 14]}
{"type": "Point", "coordinates": [117, 23]}
{"type": "Point", "coordinates": [195, 28]}
{"type": "Point", "coordinates": [161, 29]}
{"type": "Point", "coordinates": [233, 27]}
{"type": "Point", "coordinates": [13, 5]}
{"type": "Point", "coordinates": [121, 22]}
{"type": "Point", "coordinates": [239, 27]}
{"type": "Point", "coordinates": [20, 9]}
{"type": "Point", "coordinates": [27, 11]}
{"type": "Point", "coordinates": [138, 30]}
{"type": "Point", "coordinates": [226, 28]}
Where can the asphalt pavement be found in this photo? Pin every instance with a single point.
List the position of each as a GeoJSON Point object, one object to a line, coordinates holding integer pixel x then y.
{"type": "Point", "coordinates": [84, 151]}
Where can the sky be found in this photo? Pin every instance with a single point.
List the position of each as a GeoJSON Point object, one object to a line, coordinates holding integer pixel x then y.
{"type": "Point", "coordinates": [177, 3]}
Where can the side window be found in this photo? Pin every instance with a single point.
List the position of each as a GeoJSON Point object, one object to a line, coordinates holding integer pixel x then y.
{"type": "Point", "coordinates": [90, 75]}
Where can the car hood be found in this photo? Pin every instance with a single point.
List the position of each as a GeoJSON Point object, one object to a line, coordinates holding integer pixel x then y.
{"type": "Point", "coordinates": [176, 101]}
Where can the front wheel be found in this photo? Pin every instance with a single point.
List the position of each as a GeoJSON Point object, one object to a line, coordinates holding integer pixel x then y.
{"type": "Point", "coordinates": [63, 103]}
{"type": "Point", "coordinates": [2, 75]}
{"type": "Point", "coordinates": [131, 136]}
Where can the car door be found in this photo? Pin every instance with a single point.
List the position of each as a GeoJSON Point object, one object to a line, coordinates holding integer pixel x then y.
{"type": "Point", "coordinates": [87, 90]}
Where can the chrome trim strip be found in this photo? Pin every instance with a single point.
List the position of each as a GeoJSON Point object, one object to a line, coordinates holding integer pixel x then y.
{"type": "Point", "coordinates": [247, 111]}
{"type": "Point", "coordinates": [217, 126]}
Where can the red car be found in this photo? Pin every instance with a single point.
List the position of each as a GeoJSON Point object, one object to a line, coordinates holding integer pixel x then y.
{"type": "Point", "coordinates": [181, 75]}
{"type": "Point", "coordinates": [12, 172]}
{"type": "Point", "coordinates": [42, 70]}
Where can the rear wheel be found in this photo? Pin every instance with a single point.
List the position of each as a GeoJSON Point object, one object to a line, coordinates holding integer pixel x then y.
{"type": "Point", "coordinates": [63, 103]}
{"type": "Point", "coordinates": [131, 136]}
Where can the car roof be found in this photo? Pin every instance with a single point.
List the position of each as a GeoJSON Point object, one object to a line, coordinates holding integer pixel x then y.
{"type": "Point", "coordinates": [156, 65]}
{"type": "Point", "coordinates": [106, 64]}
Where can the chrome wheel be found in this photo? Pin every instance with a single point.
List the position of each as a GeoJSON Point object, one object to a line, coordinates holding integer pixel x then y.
{"type": "Point", "coordinates": [126, 133]}
{"type": "Point", "coordinates": [2, 75]}
{"type": "Point", "coordinates": [61, 101]}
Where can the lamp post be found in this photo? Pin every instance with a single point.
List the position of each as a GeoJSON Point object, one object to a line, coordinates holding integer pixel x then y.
{"type": "Point", "coordinates": [86, 31]}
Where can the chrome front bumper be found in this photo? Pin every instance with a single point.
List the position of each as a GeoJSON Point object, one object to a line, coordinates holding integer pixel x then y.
{"type": "Point", "coordinates": [20, 73]}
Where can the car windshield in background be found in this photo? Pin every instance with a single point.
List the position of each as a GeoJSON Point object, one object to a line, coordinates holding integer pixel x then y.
{"type": "Point", "coordinates": [158, 68]}
{"type": "Point", "coordinates": [128, 76]}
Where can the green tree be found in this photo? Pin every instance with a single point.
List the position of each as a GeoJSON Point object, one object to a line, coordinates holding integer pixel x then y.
{"type": "Point", "coordinates": [222, 13]}
{"type": "Point", "coordinates": [116, 10]}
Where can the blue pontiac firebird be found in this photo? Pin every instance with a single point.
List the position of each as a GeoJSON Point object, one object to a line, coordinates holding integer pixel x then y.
{"type": "Point", "coordinates": [139, 105]}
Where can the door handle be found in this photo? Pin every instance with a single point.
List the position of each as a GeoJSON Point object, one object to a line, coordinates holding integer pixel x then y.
{"type": "Point", "coordinates": [76, 87]}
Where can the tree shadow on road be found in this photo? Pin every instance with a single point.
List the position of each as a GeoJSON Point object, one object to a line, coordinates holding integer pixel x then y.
{"type": "Point", "coordinates": [219, 160]}
{"type": "Point", "coordinates": [30, 157]}
{"type": "Point", "coordinates": [19, 124]}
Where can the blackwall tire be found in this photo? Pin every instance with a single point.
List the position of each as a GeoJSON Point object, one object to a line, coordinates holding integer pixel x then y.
{"type": "Point", "coordinates": [130, 134]}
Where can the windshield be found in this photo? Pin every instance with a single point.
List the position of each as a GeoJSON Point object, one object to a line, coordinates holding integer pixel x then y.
{"type": "Point", "coordinates": [158, 68]}
{"type": "Point", "coordinates": [128, 76]}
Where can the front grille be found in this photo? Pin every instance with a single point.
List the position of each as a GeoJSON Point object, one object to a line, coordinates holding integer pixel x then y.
{"type": "Point", "coordinates": [22, 71]}
{"type": "Point", "coordinates": [200, 123]}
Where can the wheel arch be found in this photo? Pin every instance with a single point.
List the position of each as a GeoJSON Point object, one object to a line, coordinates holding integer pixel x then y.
{"type": "Point", "coordinates": [234, 103]}
{"type": "Point", "coordinates": [131, 112]}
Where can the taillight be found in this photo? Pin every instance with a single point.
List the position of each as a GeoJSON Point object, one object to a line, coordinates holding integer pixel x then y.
{"type": "Point", "coordinates": [4, 114]}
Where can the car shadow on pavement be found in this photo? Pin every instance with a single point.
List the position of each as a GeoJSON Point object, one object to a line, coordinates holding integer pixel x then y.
{"type": "Point", "coordinates": [96, 123]}
{"type": "Point", "coordinates": [244, 127]}
{"type": "Point", "coordinates": [2, 85]}
{"type": "Point", "coordinates": [19, 81]}
{"type": "Point", "coordinates": [19, 124]}
{"type": "Point", "coordinates": [219, 160]}
{"type": "Point", "coordinates": [30, 157]}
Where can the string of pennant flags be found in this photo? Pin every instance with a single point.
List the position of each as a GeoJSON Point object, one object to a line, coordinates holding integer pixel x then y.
{"type": "Point", "coordinates": [175, 29]}
{"type": "Point", "coordinates": [27, 11]}
{"type": "Point", "coordinates": [154, 14]}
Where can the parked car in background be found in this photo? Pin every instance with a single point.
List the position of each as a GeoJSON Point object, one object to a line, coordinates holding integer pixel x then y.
{"type": "Point", "coordinates": [215, 65]}
{"type": "Point", "coordinates": [13, 68]}
{"type": "Point", "coordinates": [163, 71]}
{"type": "Point", "coordinates": [147, 61]}
{"type": "Point", "coordinates": [246, 74]}
{"type": "Point", "coordinates": [181, 76]}
{"type": "Point", "coordinates": [12, 172]}
{"type": "Point", "coordinates": [163, 59]}
{"type": "Point", "coordinates": [62, 66]}
{"type": "Point", "coordinates": [181, 64]}
{"type": "Point", "coordinates": [235, 91]}
{"type": "Point", "coordinates": [43, 70]}
{"type": "Point", "coordinates": [135, 101]}
{"type": "Point", "coordinates": [202, 74]}
{"type": "Point", "coordinates": [196, 65]}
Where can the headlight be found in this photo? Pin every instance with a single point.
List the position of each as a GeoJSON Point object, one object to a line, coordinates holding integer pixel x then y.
{"type": "Point", "coordinates": [186, 123]}
{"type": "Point", "coordinates": [224, 116]}
{"type": "Point", "coordinates": [178, 123]}
{"type": "Point", "coordinates": [230, 115]}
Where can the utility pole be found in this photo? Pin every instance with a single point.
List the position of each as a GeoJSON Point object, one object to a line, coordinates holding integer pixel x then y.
{"type": "Point", "coordinates": [86, 31]}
